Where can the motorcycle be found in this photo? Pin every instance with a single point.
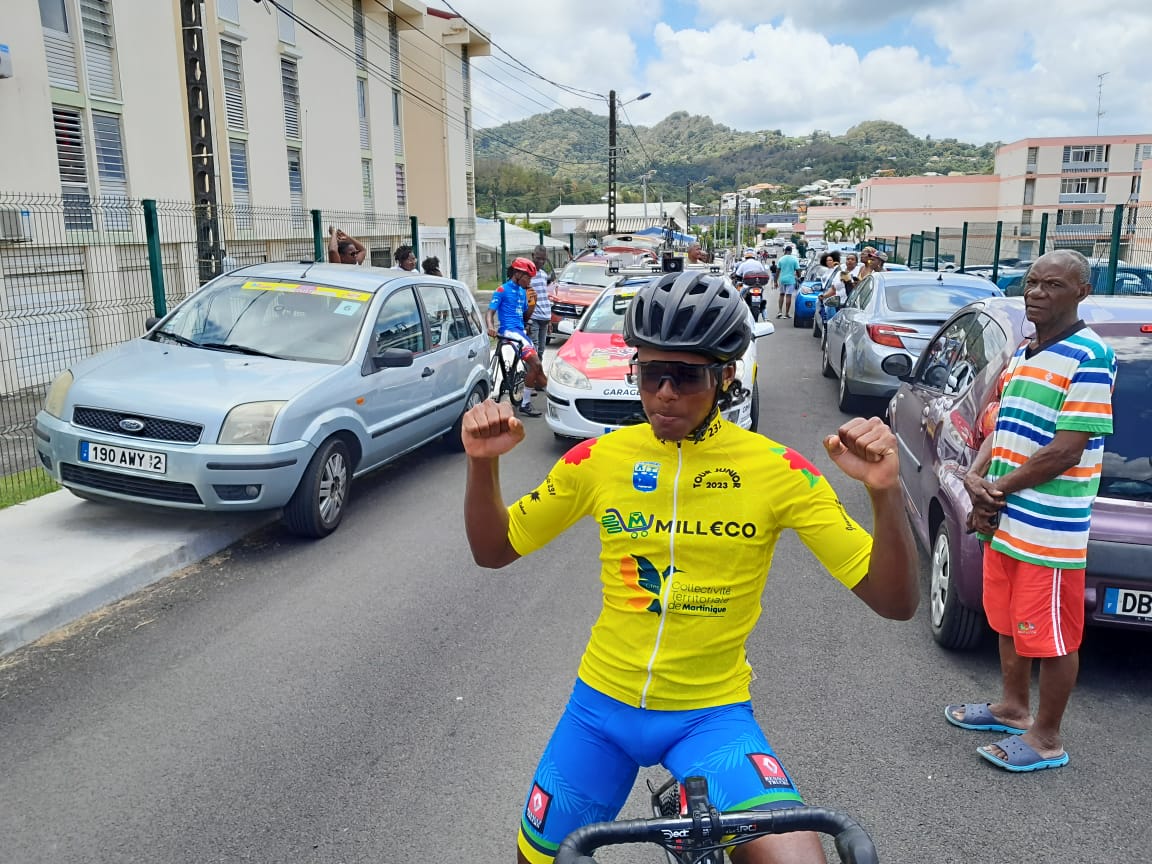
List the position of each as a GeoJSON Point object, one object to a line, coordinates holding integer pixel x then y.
{"type": "Point", "coordinates": [753, 290]}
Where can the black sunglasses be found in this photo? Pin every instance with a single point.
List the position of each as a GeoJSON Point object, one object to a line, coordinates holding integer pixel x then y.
{"type": "Point", "coordinates": [687, 379]}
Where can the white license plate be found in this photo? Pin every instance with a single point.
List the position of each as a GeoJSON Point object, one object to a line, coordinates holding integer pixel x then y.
{"type": "Point", "coordinates": [123, 457]}
{"type": "Point", "coordinates": [1128, 604]}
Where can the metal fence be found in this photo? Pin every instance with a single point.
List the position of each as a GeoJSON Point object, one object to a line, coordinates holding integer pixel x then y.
{"type": "Point", "coordinates": [79, 274]}
{"type": "Point", "coordinates": [1117, 238]}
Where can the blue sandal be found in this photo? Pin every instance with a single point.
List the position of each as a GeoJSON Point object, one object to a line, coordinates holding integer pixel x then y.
{"type": "Point", "coordinates": [978, 717]}
{"type": "Point", "coordinates": [1020, 756]}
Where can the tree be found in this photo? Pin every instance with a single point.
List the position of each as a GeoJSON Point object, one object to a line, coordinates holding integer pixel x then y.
{"type": "Point", "coordinates": [859, 226]}
{"type": "Point", "coordinates": [835, 229]}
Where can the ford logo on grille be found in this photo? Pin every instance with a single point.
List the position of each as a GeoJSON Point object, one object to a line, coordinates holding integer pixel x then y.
{"type": "Point", "coordinates": [131, 424]}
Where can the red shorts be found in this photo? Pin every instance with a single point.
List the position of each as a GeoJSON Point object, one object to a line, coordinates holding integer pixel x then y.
{"type": "Point", "coordinates": [1041, 608]}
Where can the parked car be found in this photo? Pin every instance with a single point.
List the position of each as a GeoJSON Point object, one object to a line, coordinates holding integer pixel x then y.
{"type": "Point", "coordinates": [890, 313]}
{"type": "Point", "coordinates": [805, 307]}
{"type": "Point", "coordinates": [577, 285]}
{"type": "Point", "coordinates": [1130, 281]}
{"type": "Point", "coordinates": [588, 389]}
{"type": "Point", "coordinates": [270, 387]}
{"type": "Point", "coordinates": [935, 415]}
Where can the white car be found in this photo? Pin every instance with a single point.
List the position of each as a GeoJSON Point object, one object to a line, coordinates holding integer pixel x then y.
{"type": "Point", "coordinates": [588, 391]}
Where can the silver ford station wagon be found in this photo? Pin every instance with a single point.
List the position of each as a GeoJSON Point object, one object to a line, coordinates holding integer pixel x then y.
{"type": "Point", "coordinates": [270, 387]}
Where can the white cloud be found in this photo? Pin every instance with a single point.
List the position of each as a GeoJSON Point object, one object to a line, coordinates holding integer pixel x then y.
{"type": "Point", "coordinates": [983, 70]}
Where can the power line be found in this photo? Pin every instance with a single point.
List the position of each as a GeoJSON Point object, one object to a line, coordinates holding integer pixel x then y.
{"type": "Point", "coordinates": [386, 77]}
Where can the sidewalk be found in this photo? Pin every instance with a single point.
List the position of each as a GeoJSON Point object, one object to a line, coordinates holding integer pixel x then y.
{"type": "Point", "coordinates": [61, 558]}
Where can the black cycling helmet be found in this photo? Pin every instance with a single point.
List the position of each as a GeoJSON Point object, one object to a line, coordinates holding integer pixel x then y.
{"type": "Point", "coordinates": [690, 311]}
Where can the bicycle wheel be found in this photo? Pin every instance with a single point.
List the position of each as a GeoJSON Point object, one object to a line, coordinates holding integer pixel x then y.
{"type": "Point", "coordinates": [496, 375]}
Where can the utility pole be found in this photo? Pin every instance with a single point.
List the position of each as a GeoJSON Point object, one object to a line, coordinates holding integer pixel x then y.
{"type": "Point", "coordinates": [611, 161]}
{"type": "Point", "coordinates": [203, 155]}
{"type": "Point", "coordinates": [739, 233]}
{"type": "Point", "coordinates": [687, 206]}
{"type": "Point", "coordinates": [1099, 99]}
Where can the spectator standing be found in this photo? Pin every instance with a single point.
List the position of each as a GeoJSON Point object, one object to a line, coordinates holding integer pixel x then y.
{"type": "Point", "coordinates": [540, 323]}
{"type": "Point", "coordinates": [696, 255]}
{"type": "Point", "coordinates": [786, 287]}
{"type": "Point", "coordinates": [343, 249]}
{"type": "Point", "coordinates": [405, 259]}
{"type": "Point", "coordinates": [1032, 485]}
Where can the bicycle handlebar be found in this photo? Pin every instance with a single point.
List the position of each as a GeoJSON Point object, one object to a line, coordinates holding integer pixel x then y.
{"type": "Point", "coordinates": [853, 844]}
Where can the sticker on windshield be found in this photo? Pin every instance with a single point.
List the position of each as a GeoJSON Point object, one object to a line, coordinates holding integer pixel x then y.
{"type": "Point", "coordinates": [298, 288]}
{"type": "Point", "coordinates": [348, 307]}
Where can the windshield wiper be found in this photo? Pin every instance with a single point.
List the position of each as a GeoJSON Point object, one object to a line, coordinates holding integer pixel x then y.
{"type": "Point", "coordinates": [239, 349]}
{"type": "Point", "coordinates": [177, 338]}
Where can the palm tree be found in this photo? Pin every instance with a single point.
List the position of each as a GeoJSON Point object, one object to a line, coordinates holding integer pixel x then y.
{"type": "Point", "coordinates": [835, 229]}
{"type": "Point", "coordinates": [859, 226]}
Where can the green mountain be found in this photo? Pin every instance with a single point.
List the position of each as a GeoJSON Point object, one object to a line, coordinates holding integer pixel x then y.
{"type": "Point", "coordinates": [561, 156]}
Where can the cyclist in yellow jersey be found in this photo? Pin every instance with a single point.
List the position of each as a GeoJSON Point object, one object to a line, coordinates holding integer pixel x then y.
{"type": "Point", "coordinates": [689, 508]}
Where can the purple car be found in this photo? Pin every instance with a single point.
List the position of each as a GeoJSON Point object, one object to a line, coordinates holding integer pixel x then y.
{"type": "Point", "coordinates": [935, 415]}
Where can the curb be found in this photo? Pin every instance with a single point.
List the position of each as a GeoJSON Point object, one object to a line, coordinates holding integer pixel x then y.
{"type": "Point", "coordinates": [76, 557]}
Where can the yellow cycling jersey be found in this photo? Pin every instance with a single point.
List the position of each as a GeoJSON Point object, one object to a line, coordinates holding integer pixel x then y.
{"type": "Point", "coordinates": [687, 531]}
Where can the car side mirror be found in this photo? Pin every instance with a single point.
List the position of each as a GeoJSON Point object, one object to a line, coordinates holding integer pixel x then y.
{"type": "Point", "coordinates": [566, 327]}
{"type": "Point", "coordinates": [393, 358]}
{"type": "Point", "coordinates": [762, 328]}
{"type": "Point", "coordinates": [832, 303]}
{"type": "Point", "coordinates": [897, 365]}
{"type": "Point", "coordinates": [150, 322]}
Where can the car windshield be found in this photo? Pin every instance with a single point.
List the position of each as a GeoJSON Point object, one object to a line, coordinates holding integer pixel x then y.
{"type": "Point", "coordinates": [587, 274]}
{"type": "Point", "coordinates": [1127, 471]}
{"type": "Point", "coordinates": [607, 315]}
{"type": "Point", "coordinates": [288, 319]}
{"type": "Point", "coordinates": [932, 297]}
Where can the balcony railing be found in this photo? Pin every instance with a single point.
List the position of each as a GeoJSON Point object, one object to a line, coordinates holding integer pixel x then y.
{"type": "Point", "coordinates": [1030, 168]}
{"type": "Point", "coordinates": [1083, 167]}
{"type": "Point", "coordinates": [1090, 229]}
{"type": "Point", "coordinates": [1082, 197]}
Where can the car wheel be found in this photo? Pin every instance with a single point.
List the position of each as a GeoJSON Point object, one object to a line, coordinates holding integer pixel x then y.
{"type": "Point", "coordinates": [317, 505]}
{"type": "Point", "coordinates": [454, 440]}
{"type": "Point", "coordinates": [754, 419]}
{"type": "Point", "coordinates": [845, 401]}
{"type": "Point", "coordinates": [954, 626]}
{"type": "Point", "coordinates": [797, 321]}
{"type": "Point", "coordinates": [826, 368]}
{"type": "Point", "coordinates": [816, 325]}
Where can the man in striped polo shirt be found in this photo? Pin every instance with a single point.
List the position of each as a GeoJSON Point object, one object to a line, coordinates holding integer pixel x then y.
{"type": "Point", "coordinates": [1032, 486]}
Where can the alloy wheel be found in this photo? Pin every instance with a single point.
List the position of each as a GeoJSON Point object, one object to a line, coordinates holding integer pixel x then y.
{"type": "Point", "coordinates": [938, 589]}
{"type": "Point", "coordinates": [333, 487]}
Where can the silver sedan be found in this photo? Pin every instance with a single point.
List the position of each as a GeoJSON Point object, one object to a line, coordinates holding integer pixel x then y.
{"type": "Point", "coordinates": [270, 387]}
{"type": "Point", "coordinates": [891, 313]}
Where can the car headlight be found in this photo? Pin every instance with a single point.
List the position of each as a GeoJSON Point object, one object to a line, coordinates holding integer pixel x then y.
{"type": "Point", "coordinates": [250, 423]}
{"type": "Point", "coordinates": [569, 375]}
{"type": "Point", "coordinates": [58, 394]}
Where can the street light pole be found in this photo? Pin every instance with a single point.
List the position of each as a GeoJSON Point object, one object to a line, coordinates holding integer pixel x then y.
{"type": "Point", "coordinates": [612, 155]}
{"type": "Point", "coordinates": [611, 161]}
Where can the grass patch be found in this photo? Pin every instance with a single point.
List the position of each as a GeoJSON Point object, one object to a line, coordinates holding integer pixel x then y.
{"type": "Point", "coordinates": [24, 486]}
{"type": "Point", "coordinates": [488, 285]}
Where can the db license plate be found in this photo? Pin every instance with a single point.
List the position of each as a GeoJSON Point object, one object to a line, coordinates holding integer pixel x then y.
{"type": "Point", "coordinates": [1125, 603]}
{"type": "Point", "coordinates": [123, 457]}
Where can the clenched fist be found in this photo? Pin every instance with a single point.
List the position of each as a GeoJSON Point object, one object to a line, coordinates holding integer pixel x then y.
{"type": "Point", "coordinates": [490, 430]}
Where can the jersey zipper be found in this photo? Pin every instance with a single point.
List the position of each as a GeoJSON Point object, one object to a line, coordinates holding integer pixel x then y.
{"type": "Point", "coordinates": [671, 575]}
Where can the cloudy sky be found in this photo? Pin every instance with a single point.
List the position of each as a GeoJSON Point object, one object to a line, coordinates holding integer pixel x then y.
{"type": "Point", "coordinates": [977, 70]}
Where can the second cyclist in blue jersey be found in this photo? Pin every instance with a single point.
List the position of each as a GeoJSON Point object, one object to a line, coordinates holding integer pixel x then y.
{"type": "Point", "coordinates": [689, 508]}
{"type": "Point", "coordinates": [508, 312]}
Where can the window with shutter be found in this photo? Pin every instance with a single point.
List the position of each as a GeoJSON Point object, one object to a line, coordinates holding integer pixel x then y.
{"type": "Point", "coordinates": [397, 132]}
{"type": "Point", "coordinates": [401, 189]}
{"type": "Point", "coordinates": [366, 183]}
{"type": "Point", "coordinates": [58, 48]}
{"type": "Point", "coordinates": [358, 40]}
{"type": "Point", "coordinates": [285, 23]}
{"type": "Point", "coordinates": [394, 47]}
{"type": "Point", "coordinates": [291, 85]}
{"type": "Point", "coordinates": [96, 16]}
{"type": "Point", "coordinates": [470, 190]}
{"type": "Point", "coordinates": [296, 185]}
{"type": "Point", "coordinates": [362, 109]}
{"type": "Point", "coordinates": [232, 67]}
{"type": "Point", "coordinates": [73, 169]}
{"type": "Point", "coordinates": [109, 146]}
{"type": "Point", "coordinates": [241, 192]}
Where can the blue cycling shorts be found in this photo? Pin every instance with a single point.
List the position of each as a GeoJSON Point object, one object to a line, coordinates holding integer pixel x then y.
{"type": "Point", "coordinates": [591, 762]}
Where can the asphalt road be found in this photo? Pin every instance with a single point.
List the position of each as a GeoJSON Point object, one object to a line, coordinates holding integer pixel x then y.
{"type": "Point", "coordinates": [377, 698]}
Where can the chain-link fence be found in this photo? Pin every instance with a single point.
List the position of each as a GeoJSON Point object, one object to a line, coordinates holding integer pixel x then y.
{"type": "Point", "coordinates": [79, 274]}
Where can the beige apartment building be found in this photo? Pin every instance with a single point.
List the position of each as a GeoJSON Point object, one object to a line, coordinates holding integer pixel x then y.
{"type": "Point", "coordinates": [358, 108]}
{"type": "Point", "coordinates": [1076, 181]}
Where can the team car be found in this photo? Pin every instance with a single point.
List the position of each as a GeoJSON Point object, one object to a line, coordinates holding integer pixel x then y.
{"type": "Point", "coordinates": [589, 393]}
